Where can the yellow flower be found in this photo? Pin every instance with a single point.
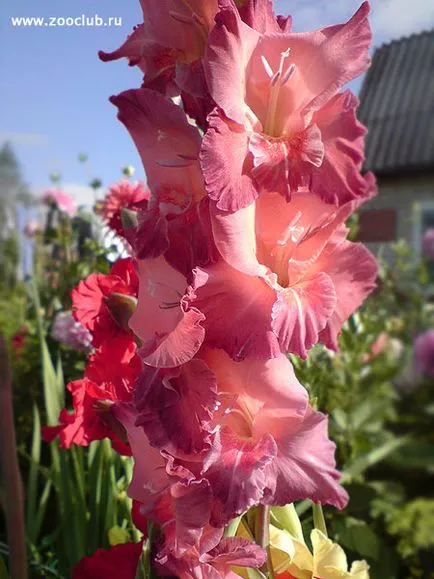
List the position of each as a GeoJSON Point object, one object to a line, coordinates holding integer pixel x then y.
{"type": "Point", "coordinates": [328, 560]}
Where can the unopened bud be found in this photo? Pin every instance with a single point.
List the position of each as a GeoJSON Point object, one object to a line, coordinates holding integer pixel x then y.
{"type": "Point", "coordinates": [121, 307]}
{"type": "Point", "coordinates": [95, 184]}
{"type": "Point", "coordinates": [55, 177]}
{"type": "Point", "coordinates": [129, 219]}
{"type": "Point", "coordinates": [128, 170]}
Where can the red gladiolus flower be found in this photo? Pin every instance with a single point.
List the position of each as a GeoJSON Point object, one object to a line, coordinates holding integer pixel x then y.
{"type": "Point", "coordinates": [90, 299]}
{"type": "Point", "coordinates": [119, 562]}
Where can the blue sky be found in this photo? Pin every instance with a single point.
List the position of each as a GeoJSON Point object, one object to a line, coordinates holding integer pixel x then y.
{"type": "Point", "coordinates": [54, 97]}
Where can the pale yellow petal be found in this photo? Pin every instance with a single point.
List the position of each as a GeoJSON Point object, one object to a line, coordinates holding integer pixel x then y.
{"type": "Point", "coordinates": [291, 555]}
{"type": "Point", "coordinates": [327, 554]}
{"type": "Point", "coordinates": [359, 570]}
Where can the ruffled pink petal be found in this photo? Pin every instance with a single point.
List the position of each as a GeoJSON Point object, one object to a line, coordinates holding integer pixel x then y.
{"type": "Point", "coordinates": [338, 180]}
{"type": "Point", "coordinates": [268, 388]}
{"type": "Point", "coordinates": [167, 143]}
{"type": "Point", "coordinates": [170, 330]}
{"type": "Point", "coordinates": [236, 551]}
{"type": "Point", "coordinates": [302, 311]}
{"type": "Point", "coordinates": [176, 407]}
{"type": "Point", "coordinates": [150, 240]}
{"type": "Point", "coordinates": [225, 164]}
{"type": "Point", "coordinates": [305, 465]}
{"type": "Point", "coordinates": [230, 46]}
{"type": "Point", "coordinates": [132, 48]}
{"type": "Point", "coordinates": [236, 471]}
{"type": "Point", "coordinates": [283, 164]}
{"type": "Point", "coordinates": [353, 271]}
{"type": "Point", "coordinates": [169, 23]}
{"type": "Point", "coordinates": [191, 504]}
{"type": "Point", "coordinates": [150, 478]}
{"type": "Point", "coordinates": [259, 15]}
{"type": "Point", "coordinates": [324, 60]}
{"type": "Point", "coordinates": [191, 239]}
{"type": "Point", "coordinates": [235, 238]}
{"type": "Point", "coordinates": [237, 311]}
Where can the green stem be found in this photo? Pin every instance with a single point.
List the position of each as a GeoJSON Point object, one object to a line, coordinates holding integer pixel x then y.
{"type": "Point", "coordinates": [232, 528]}
{"type": "Point", "coordinates": [318, 519]}
{"type": "Point", "coordinates": [262, 535]}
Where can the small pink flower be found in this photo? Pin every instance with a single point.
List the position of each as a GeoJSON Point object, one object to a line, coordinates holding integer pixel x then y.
{"type": "Point", "coordinates": [32, 227]}
{"type": "Point", "coordinates": [424, 353]}
{"type": "Point", "coordinates": [428, 244]}
{"type": "Point", "coordinates": [71, 333]}
{"type": "Point", "coordinates": [65, 203]}
{"type": "Point", "coordinates": [384, 344]}
{"type": "Point", "coordinates": [121, 195]}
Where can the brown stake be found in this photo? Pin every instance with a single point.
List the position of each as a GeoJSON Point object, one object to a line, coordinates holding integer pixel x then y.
{"type": "Point", "coordinates": [10, 473]}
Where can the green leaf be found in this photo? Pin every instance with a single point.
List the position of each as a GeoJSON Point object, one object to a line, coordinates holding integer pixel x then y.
{"type": "Point", "coordinates": [32, 481]}
{"type": "Point", "coordinates": [362, 463]}
{"type": "Point", "coordinates": [415, 455]}
{"type": "Point", "coordinates": [355, 534]}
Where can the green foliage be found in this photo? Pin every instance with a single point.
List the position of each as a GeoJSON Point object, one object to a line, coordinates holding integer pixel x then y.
{"type": "Point", "coordinates": [413, 525]}
{"type": "Point", "coordinates": [381, 416]}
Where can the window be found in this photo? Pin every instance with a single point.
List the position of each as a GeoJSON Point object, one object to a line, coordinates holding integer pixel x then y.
{"type": "Point", "coordinates": [377, 225]}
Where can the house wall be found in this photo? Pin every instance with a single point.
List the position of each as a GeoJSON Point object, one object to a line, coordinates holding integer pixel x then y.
{"type": "Point", "coordinates": [405, 196]}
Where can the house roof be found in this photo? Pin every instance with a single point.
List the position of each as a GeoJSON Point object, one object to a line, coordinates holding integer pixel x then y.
{"type": "Point", "coordinates": [397, 106]}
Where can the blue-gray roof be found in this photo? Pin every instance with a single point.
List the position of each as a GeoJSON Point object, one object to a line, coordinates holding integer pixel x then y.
{"type": "Point", "coordinates": [397, 106]}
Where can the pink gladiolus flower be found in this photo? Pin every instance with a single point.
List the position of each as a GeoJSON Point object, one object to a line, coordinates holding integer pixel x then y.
{"type": "Point", "coordinates": [279, 122]}
{"type": "Point", "coordinates": [243, 427]}
{"type": "Point", "coordinates": [65, 203]}
{"type": "Point", "coordinates": [428, 244]}
{"type": "Point", "coordinates": [424, 353]}
{"type": "Point", "coordinates": [288, 275]}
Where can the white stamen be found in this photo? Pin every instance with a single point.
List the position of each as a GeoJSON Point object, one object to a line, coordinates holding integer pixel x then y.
{"type": "Point", "coordinates": [276, 83]}
{"type": "Point", "coordinates": [275, 78]}
{"type": "Point", "coordinates": [267, 66]}
{"type": "Point", "coordinates": [288, 74]}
